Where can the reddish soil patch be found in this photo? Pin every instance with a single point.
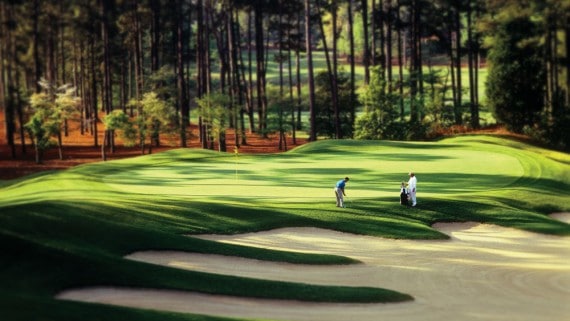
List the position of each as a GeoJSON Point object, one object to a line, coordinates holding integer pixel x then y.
{"type": "Point", "coordinates": [79, 149]}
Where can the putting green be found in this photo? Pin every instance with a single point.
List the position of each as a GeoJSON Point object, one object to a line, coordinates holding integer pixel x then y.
{"type": "Point", "coordinates": [374, 172]}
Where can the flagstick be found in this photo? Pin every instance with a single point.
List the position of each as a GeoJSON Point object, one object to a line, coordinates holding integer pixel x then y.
{"type": "Point", "coordinates": [236, 152]}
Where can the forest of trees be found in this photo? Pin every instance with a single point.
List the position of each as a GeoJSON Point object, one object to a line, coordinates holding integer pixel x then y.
{"type": "Point", "coordinates": [144, 68]}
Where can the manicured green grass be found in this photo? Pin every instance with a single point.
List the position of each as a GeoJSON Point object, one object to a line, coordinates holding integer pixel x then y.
{"type": "Point", "coordinates": [72, 228]}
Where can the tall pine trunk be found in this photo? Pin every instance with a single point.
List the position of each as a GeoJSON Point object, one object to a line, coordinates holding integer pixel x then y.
{"type": "Point", "coordinates": [290, 74]}
{"type": "Point", "coordinates": [331, 65]}
{"type": "Point", "coordinates": [352, 73]}
{"type": "Point", "coordinates": [567, 41]}
{"type": "Point", "coordinates": [240, 70]}
{"type": "Point", "coordinates": [250, 111]}
{"type": "Point", "coordinates": [8, 83]}
{"type": "Point", "coordinates": [381, 38]}
{"type": "Point", "coordinates": [298, 72]}
{"type": "Point", "coordinates": [35, 44]}
{"type": "Point", "coordinates": [373, 28]}
{"type": "Point", "coordinates": [389, 23]}
{"type": "Point", "coordinates": [260, 68]}
{"type": "Point", "coordinates": [94, 117]}
{"type": "Point", "coordinates": [200, 79]}
{"type": "Point", "coordinates": [183, 103]}
{"type": "Point", "coordinates": [459, 107]}
{"type": "Point", "coordinates": [280, 44]}
{"type": "Point", "coordinates": [312, 132]}
{"type": "Point", "coordinates": [234, 78]}
{"type": "Point", "coordinates": [400, 62]}
{"type": "Point", "coordinates": [107, 86]}
{"type": "Point", "coordinates": [415, 62]}
{"type": "Point", "coordinates": [334, 89]}
{"type": "Point", "coordinates": [451, 53]}
{"type": "Point", "coordinates": [472, 84]}
{"type": "Point", "coordinates": [366, 53]}
{"type": "Point", "coordinates": [155, 31]}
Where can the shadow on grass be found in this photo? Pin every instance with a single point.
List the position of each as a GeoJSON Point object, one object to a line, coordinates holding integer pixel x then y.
{"type": "Point", "coordinates": [496, 210]}
{"type": "Point", "coordinates": [361, 179]}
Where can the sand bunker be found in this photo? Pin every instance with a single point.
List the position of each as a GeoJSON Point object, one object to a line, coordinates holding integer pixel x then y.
{"type": "Point", "coordinates": [484, 272]}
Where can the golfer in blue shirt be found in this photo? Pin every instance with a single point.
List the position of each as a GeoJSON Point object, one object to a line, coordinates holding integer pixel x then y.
{"type": "Point", "coordinates": [339, 192]}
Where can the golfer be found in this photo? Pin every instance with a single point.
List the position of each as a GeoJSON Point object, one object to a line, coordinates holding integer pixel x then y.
{"type": "Point", "coordinates": [412, 187]}
{"type": "Point", "coordinates": [339, 192]}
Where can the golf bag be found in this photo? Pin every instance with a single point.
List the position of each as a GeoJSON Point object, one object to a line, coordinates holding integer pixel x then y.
{"type": "Point", "coordinates": [404, 197]}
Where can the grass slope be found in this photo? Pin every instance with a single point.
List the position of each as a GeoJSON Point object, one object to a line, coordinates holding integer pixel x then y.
{"type": "Point", "coordinates": [72, 228]}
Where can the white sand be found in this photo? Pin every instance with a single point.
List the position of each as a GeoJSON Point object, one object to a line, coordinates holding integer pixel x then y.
{"type": "Point", "coordinates": [484, 272]}
{"type": "Point", "coordinates": [564, 217]}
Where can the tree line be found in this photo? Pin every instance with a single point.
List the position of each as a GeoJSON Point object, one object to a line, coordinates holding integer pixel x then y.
{"type": "Point", "coordinates": [145, 67]}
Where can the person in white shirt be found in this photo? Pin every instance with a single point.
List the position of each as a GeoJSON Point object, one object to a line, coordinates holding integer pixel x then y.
{"type": "Point", "coordinates": [412, 187]}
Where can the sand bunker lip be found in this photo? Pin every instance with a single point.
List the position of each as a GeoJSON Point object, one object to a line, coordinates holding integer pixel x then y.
{"type": "Point", "coordinates": [199, 303]}
{"type": "Point", "coordinates": [562, 216]}
{"type": "Point", "coordinates": [484, 272]}
{"type": "Point", "coordinates": [250, 268]}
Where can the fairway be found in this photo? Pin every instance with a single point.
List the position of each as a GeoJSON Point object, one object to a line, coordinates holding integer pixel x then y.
{"type": "Point", "coordinates": [210, 235]}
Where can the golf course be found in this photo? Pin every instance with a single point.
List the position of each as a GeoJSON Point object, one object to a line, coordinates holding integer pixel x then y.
{"type": "Point", "coordinates": [192, 234]}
